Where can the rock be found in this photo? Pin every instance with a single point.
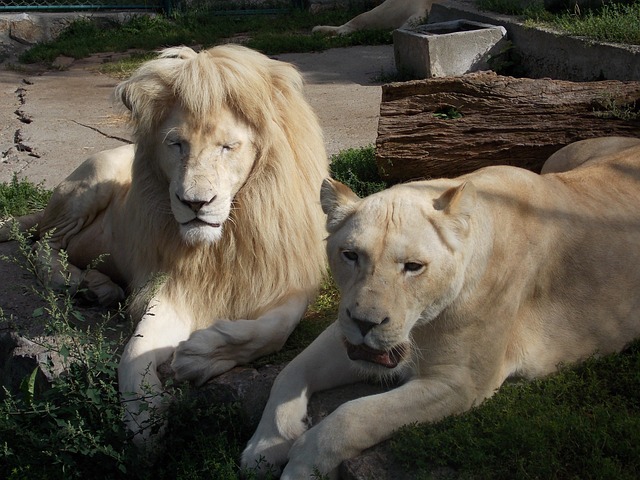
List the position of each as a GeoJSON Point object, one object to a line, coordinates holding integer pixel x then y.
{"type": "Point", "coordinates": [26, 30]}
{"type": "Point", "coordinates": [20, 356]}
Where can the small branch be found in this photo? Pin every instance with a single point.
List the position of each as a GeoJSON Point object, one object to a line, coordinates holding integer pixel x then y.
{"type": "Point", "coordinates": [114, 137]}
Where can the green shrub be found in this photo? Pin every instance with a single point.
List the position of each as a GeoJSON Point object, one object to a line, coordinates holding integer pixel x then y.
{"type": "Point", "coordinates": [356, 168]}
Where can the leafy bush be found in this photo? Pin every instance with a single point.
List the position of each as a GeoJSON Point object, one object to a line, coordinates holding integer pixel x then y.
{"type": "Point", "coordinates": [72, 428]}
{"type": "Point", "coordinates": [356, 168]}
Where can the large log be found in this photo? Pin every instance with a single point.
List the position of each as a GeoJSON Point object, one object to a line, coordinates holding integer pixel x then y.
{"type": "Point", "coordinates": [505, 121]}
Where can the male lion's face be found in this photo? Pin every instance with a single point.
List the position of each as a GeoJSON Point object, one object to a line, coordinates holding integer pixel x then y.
{"type": "Point", "coordinates": [397, 257]}
{"type": "Point", "coordinates": [206, 163]}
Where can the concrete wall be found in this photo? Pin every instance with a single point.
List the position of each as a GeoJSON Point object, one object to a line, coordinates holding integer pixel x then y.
{"type": "Point", "coordinates": [545, 53]}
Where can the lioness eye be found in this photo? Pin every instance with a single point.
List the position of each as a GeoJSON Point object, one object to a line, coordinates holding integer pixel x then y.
{"type": "Point", "coordinates": [413, 267]}
{"type": "Point", "coordinates": [350, 256]}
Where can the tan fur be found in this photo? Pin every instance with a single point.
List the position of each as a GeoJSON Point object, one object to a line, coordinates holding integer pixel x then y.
{"type": "Point", "coordinates": [223, 130]}
{"type": "Point", "coordinates": [578, 153]}
{"type": "Point", "coordinates": [390, 14]}
{"type": "Point", "coordinates": [455, 285]}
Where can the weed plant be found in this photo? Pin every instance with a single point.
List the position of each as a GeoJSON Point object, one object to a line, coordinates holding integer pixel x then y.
{"type": "Point", "coordinates": [71, 428]}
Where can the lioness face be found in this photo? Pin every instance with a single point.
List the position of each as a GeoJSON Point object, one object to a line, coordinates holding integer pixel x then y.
{"type": "Point", "coordinates": [398, 260]}
{"type": "Point", "coordinates": [205, 165]}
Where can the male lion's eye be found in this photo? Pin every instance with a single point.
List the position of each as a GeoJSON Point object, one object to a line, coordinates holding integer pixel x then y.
{"type": "Point", "coordinates": [176, 144]}
{"type": "Point", "coordinates": [227, 147]}
{"type": "Point", "coordinates": [413, 267]}
{"type": "Point", "coordinates": [350, 256]}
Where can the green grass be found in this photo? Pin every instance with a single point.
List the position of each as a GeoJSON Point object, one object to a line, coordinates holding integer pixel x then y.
{"type": "Point", "coordinates": [270, 34]}
{"type": "Point", "coordinates": [613, 22]}
{"type": "Point", "coordinates": [20, 197]}
{"type": "Point", "coordinates": [583, 422]}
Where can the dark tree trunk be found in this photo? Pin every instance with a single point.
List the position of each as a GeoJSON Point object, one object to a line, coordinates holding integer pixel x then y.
{"type": "Point", "coordinates": [504, 121]}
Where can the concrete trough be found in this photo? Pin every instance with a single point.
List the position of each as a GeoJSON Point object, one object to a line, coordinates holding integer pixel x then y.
{"type": "Point", "coordinates": [447, 49]}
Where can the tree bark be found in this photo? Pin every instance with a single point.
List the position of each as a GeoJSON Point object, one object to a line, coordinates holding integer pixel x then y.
{"type": "Point", "coordinates": [505, 121]}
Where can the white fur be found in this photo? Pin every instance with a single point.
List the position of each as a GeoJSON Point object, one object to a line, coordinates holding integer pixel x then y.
{"type": "Point", "coordinates": [498, 273]}
{"type": "Point", "coordinates": [207, 220]}
{"type": "Point", "coordinates": [389, 14]}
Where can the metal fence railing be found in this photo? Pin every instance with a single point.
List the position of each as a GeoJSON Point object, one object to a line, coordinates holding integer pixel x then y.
{"type": "Point", "coordinates": [79, 5]}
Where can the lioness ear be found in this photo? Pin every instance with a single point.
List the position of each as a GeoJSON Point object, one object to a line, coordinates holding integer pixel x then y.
{"type": "Point", "coordinates": [457, 203]}
{"type": "Point", "coordinates": [460, 200]}
{"type": "Point", "coordinates": [337, 202]}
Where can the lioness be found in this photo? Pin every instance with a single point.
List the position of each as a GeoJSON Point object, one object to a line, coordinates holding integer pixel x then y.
{"type": "Point", "coordinates": [453, 286]}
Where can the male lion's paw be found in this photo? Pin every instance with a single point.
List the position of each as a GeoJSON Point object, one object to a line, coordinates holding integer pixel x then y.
{"type": "Point", "coordinates": [209, 352]}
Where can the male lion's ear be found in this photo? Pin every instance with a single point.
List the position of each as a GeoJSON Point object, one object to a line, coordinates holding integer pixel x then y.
{"type": "Point", "coordinates": [337, 202]}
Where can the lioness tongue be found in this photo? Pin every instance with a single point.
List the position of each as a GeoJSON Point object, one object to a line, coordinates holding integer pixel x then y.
{"type": "Point", "coordinates": [362, 352]}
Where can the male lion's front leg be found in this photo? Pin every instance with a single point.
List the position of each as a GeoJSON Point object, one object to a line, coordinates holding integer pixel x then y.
{"type": "Point", "coordinates": [322, 365]}
{"type": "Point", "coordinates": [365, 422]}
{"type": "Point", "coordinates": [154, 341]}
{"type": "Point", "coordinates": [212, 351]}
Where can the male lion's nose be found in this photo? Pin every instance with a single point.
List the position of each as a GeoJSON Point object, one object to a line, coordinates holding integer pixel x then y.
{"type": "Point", "coordinates": [364, 324]}
{"type": "Point", "coordinates": [196, 205]}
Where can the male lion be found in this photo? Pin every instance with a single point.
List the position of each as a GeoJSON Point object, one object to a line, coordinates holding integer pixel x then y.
{"type": "Point", "coordinates": [453, 286]}
{"type": "Point", "coordinates": [211, 216]}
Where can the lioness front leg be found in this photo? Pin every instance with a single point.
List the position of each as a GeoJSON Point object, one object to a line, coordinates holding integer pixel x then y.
{"type": "Point", "coordinates": [362, 423]}
{"type": "Point", "coordinates": [154, 341]}
{"type": "Point", "coordinates": [212, 351]}
{"type": "Point", "coordinates": [322, 365]}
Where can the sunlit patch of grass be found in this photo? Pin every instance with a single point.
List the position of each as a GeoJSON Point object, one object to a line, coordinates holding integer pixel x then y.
{"type": "Point", "coordinates": [19, 197]}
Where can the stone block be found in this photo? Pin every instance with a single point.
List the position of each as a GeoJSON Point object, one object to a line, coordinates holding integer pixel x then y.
{"type": "Point", "coordinates": [447, 49]}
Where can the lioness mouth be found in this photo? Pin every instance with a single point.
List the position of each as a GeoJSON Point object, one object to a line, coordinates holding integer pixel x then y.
{"type": "Point", "coordinates": [389, 359]}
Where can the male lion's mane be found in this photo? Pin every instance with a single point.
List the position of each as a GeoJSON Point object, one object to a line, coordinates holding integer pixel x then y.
{"type": "Point", "coordinates": [272, 242]}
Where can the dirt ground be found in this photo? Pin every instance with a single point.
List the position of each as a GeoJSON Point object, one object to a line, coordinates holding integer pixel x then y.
{"type": "Point", "coordinates": [51, 120]}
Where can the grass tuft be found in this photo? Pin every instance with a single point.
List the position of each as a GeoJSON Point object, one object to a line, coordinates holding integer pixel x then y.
{"type": "Point", "coordinates": [20, 197]}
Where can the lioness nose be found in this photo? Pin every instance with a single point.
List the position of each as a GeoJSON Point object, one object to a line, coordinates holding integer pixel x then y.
{"type": "Point", "coordinates": [365, 325]}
